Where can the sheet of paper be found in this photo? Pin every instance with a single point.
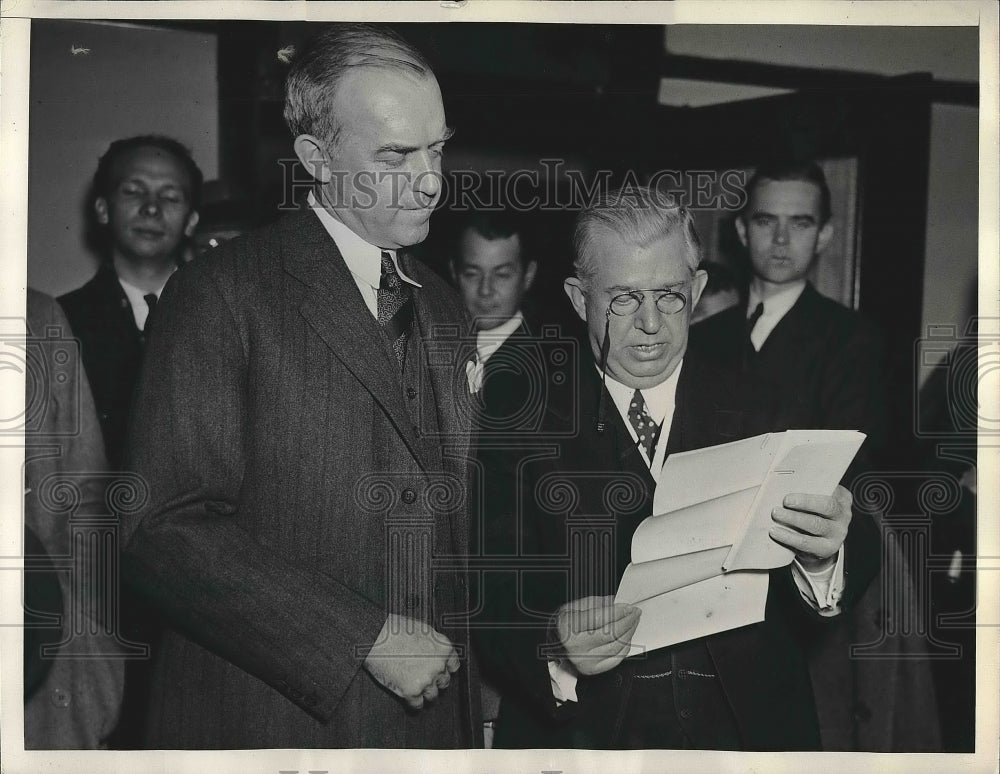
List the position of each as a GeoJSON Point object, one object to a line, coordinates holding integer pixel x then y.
{"type": "Point", "coordinates": [698, 527]}
{"type": "Point", "coordinates": [704, 474]}
{"type": "Point", "coordinates": [714, 605]}
{"type": "Point", "coordinates": [810, 461]}
{"type": "Point", "coordinates": [650, 579]}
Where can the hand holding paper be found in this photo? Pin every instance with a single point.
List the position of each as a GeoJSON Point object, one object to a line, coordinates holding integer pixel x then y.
{"type": "Point", "coordinates": [813, 526]}
{"type": "Point", "coordinates": [595, 633]}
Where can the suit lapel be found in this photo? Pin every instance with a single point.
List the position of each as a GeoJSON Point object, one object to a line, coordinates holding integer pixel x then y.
{"type": "Point", "coordinates": [333, 306]}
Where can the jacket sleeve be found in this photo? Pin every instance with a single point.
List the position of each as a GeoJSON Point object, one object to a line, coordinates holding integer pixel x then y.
{"type": "Point", "coordinates": [296, 629]}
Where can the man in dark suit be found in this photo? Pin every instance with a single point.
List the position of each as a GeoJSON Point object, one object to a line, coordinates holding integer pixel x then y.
{"type": "Point", "coordinates": [562, 503]}
{"type": "Point", "coordinates": [821, 358]}
{"type": "Point", "coordinates": [146, 204]}
{"type": "Point", "coordinates": [305, 463]}
{"type": "Point", "coordinates": [493, 273]}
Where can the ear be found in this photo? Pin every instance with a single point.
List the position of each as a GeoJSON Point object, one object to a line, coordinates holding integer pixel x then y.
{"type": "Point", "coordinates": [741, 230]}
{"type": "Point", "coordinates": [698, 283]}
{"type": "Point", "coordinates": [312, 154]}
{"type": "Point", "coordinates": [101, 209]}
{"type": "Point", "coordinates": [192, 221]}
{"type": "Point", "coordinates": [574, 289]}
{"type": "Point", "coordinates": [529, 274]}
{"type": "Point", "coordinates": [825, 235]}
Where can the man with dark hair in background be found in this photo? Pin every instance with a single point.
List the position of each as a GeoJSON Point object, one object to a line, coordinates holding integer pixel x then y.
{"type": "Point", "coordinates": [306, 465]}
{"type": "Point", "coordinates": [146, 193]}
{"type": "Point", "coordinates": [821, 358]}
{"type": "Point", "coordinates": [493, 272]}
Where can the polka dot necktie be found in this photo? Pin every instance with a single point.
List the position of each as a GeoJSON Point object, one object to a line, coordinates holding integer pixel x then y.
{"type": "Point", "coordinates": [645, 428]}
{"type": "Point", "coordinates": [395, 307]}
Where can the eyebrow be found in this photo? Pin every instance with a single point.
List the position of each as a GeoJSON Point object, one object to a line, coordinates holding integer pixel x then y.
{"type": "Point", "coordinates": [629, 289]}
{"type": "Point", "coordinates": [796, 216]}
{"type": "Point", "coordinates": [404, 149]}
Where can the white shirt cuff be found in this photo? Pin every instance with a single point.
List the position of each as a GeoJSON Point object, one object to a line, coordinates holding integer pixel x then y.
{"type": "Point", "coordinates": [562, 677]}
{"type": "Point", "coordinates": [821, 589]}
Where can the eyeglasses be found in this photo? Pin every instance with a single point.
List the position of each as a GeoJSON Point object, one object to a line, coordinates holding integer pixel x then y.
{"type": "Point", "coordinates": [667, 301]}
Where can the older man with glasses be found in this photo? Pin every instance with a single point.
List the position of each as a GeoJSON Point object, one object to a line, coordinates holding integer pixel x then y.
{"type": "Point", "coordinates": [562, 503]}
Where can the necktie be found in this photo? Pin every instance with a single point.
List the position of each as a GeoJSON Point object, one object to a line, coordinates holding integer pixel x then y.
{"type": "Point", "coordinates": [643, 424]}
{"type": "Point", "coordinates": [748, 348]}
{"type": "Point", "coordinates": [395, 307]}
{"type": "Point", "coordinates": [150, 299]}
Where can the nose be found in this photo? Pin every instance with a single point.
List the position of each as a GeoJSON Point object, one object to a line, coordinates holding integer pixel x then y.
{"type": "Point", "coordinates": [427, 178]}
{"type": "Point", "coordinates": [781, 233]}
{"type": "Point", "coordinates": [149, 206]}
{"type": "Point", "coordinates": [648, 318]}
{"type": "Point", "coordinates": [485, 286]}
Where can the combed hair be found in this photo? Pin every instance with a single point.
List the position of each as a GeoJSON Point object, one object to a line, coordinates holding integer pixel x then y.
{"type": "Point", "coordinates": [638, 214]}
{"type": "Point", "coordinates": [326, 58]}
{"type": "Point", "coordinates": [104, 178]}
{"type": "Point", "coordinates": [785, 170]}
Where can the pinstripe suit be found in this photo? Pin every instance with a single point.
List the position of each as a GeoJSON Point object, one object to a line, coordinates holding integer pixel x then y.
{"type": "Point", "coordinates": [284, 453]}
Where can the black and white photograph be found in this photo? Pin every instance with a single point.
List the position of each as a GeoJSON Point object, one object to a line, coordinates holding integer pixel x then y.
{"type": "Point", "coordinates": [536, 386]}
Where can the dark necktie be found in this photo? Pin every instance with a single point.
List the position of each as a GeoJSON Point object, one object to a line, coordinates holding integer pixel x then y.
{"type": "Point", "coordinates": [643, 424]}
{"type": "Point", "coordinates": [395, 307]}
{"type": "Point", "coordinates": [748, 348]}
{"type": "Point", "coordinates": [150, 299]}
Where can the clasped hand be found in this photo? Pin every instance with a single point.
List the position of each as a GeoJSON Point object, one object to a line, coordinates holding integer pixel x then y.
{"type": "Point", "coordinates": [412, 659]}
{"type": "Point", "coordinates": [595, 633]}
{"type": "Point", "coordinates": [813, 526]}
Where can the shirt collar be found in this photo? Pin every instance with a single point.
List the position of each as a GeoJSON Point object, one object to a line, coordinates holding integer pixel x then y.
{"type": "Point", "coordinates": [135, 295]}
{"type": "Point", "coordinates": [364, 260]}
{"type": "Point", "coordinates": [660, 400]}
{"type": "Point", "coordinates": [778, 304]}
{"type": "Point", "coordinates": [488, 342]}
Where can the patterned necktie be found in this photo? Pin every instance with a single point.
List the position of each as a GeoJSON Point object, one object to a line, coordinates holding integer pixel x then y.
{"type": "Point", "coordinates": [395, 307]}
{"type": "Point", "coordinates": [748, 348]}
{"type": "Point", "coordinates": [150, 299]}
{"type": "Point", "coordinates": [643, 424]}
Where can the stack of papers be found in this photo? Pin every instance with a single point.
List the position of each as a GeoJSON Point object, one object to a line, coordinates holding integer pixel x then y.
{"type": "Point", "coordinates": [700, 564]}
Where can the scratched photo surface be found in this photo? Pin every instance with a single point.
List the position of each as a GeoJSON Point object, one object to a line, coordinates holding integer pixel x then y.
{"type": "Point", "coordinates": [409, 413]}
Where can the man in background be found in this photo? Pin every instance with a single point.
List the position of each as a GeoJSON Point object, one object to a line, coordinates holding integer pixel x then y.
{"type": "Point", "coordinates": [821, 358]}
{"type": "Point", "coordinates": [493, 273]}
{"type": "Point", "coordinates": [146, 193]}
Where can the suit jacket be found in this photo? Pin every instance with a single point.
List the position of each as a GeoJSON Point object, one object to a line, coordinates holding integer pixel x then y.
{"type": "Point", "coordinates": [823, 359]}
{"type": "Point", "coordinates": [568, 477]}
{"type": "Point", "coordinates": [298, 492]}
{"type": "Point", "coordinates": [101, 317]}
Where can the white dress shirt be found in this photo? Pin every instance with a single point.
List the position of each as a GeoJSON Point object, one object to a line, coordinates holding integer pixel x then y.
{"type": "Point", "coordinates": [137, 300]}
{"type": "Point", "coordinates": [488, 342]}
{"type": "Point", "coordinates": [363, 260]}
{"type": "Point", "coordinates": [775, 308]}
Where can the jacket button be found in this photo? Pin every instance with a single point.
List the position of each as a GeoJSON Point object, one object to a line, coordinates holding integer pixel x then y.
{"type": "Point", "coordinates": [60, 697]}
{"type": "Point", "coordinates": [682, 674]}
{"type": "Point", "coordinates": [409, 496]}
{"type": "Point", "coordinates": [411, 393]}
